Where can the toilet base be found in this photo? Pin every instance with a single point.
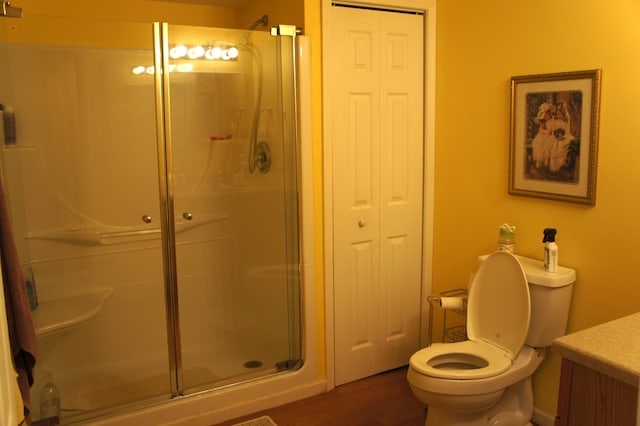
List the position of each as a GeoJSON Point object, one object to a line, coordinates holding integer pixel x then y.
{"type": "Point", "coordinates": [514, 408]}
{"type": "Point", "coordinates": [441, 418]}
{"type": "Point", "coordinates": [436, 417]}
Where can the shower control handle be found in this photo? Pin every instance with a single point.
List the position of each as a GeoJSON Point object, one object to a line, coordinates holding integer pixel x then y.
{"type": "Point", "coordinates": [187, 215]}
{"type": "Point", "coordinates": [146, 218]}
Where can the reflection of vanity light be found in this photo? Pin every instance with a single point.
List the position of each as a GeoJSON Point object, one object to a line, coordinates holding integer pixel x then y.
{"type": "Point", "coordinates": [230, 53]}
{"type": "Point", "coordinates": [185, 67]}
{"type": "Point", "coordinates": [195, 52]}
{"type": "Point", "coordinates": [222, 52]}
{"type": "Point", "coordinates": [178, 51]}
{"type": "Point", "coordinates": [213, 53]}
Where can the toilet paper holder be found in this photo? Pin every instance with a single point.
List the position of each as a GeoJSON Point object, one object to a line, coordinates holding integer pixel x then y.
{"type": "Point", "coordinates": [454, 301]}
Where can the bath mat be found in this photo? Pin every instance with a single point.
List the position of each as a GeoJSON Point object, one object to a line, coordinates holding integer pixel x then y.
{"type": "Point", "coordinates": [260, 421]}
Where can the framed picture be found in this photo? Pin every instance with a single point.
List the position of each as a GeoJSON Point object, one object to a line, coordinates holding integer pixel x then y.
{"type": "Point", "coordinates": [554, 136]}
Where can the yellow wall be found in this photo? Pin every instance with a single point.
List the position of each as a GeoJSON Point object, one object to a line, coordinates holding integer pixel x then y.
{"type": "Point", "coordinates": [288, 12]}
{"type": "Point", "coordinates": [108, 24]}
{"type": "Point", "coordinates": [480, 45]}
{"type": "Point", "coordinates": [312, 28]}
{"type": "Point", "coordinates": [42, 19]}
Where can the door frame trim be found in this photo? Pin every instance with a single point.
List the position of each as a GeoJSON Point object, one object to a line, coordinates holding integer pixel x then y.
{"type": "Point", "coordinates": [428, 7]}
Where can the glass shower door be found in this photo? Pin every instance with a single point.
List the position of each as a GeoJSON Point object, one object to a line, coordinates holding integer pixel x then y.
{"type": "Point", "coordinates": [234, 168]}
{"type": "Point", "coordinates": [82, 182]}
{"type": "Point", "coordinates": [133, 311]}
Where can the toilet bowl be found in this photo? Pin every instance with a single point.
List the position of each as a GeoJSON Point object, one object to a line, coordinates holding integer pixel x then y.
{"type": "Point", "coordinates": [486, 380]}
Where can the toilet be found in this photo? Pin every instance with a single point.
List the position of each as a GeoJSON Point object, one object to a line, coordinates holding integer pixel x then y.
{"type": "Point", "coordinates": [515, 310]}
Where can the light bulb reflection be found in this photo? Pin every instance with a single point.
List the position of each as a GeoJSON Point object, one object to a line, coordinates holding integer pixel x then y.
{"type": "Point", "coordinates": [195, 52]}
{"type": "Point", "coordinates": [212, 53]}
{"type": "Point", "coordinates": [222, 52]}
{"type": "Point", "coordinates": [178, 51]}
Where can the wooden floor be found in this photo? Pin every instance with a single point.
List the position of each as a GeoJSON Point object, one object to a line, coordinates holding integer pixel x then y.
{"type": "Point", "coordinates": [384, 399]}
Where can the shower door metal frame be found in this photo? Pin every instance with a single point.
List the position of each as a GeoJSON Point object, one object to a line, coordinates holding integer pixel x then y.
{"type": "Point", "coordinates": [167, 225]}
{"type": "Point", "coordinates": [292, 223]}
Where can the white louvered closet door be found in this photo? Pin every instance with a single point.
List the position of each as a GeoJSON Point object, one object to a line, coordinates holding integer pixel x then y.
{"type": "Point", "coordinates": [377, 118]}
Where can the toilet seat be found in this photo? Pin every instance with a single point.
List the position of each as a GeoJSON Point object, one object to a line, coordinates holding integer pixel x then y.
{"type": "Point", "coordinates": [522, 367]}
{"type": "Point", "coordinates": [498, 315]}
{"type": "Point", "coordinates": [466, 360]}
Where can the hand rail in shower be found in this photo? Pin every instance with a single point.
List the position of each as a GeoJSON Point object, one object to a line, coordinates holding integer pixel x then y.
{"type": "Point", "coordinates": [116, 235]}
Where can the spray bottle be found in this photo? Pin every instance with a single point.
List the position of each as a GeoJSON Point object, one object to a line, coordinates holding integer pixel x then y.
{"type": "Point", "coordinates": [550, 250]}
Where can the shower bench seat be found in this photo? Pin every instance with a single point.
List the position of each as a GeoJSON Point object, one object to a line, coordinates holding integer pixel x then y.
{"type": "Point", "coordinates": [56, 315]}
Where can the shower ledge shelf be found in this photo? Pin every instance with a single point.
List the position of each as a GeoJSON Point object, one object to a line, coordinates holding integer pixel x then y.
{"type": "Point", "coordinates": [61, 314]}
{"type": "Point", "coordinates": [96, 236]}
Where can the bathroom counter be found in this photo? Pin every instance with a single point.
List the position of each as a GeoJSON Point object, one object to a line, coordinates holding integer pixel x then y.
{"type": "Point", "coordinates": [612, 348]}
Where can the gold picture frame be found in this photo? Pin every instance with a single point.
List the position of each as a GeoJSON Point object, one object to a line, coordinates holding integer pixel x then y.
{"type": "Point", "coordinates": [554, 136]}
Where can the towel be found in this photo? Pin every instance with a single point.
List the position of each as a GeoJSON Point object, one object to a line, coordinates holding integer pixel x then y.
{"type": "Point", "coordinates": [19, 403]}
{"type": "Point", "coordinates": [22, 335]}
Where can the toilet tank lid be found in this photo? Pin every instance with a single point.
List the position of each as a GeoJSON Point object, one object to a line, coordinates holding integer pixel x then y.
{"type": "Point", "coordinates": [534, 269]}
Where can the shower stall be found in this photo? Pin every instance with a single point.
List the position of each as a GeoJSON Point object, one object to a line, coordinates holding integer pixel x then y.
{"type": "Point", "coordinates": [154, 186]}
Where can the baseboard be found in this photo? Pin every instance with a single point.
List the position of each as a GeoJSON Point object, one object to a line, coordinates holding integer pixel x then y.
{"type": "Point", "coordinates": [542, 419]}
{"type": "Point", "coordinates": [255, 405]}
{"type": "Point", "coordinates": [269, 401]}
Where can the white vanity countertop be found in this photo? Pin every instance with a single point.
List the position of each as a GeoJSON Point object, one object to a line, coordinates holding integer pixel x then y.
{"type": "Point", "coordinates": [612, 348]}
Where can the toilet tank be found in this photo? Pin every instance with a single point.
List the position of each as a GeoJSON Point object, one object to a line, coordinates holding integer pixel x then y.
{"type": "Point", "coordinates": [550, 300]}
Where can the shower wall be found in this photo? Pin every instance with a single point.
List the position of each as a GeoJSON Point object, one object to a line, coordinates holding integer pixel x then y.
{"type": "Point", "coordinates": [80, 179]}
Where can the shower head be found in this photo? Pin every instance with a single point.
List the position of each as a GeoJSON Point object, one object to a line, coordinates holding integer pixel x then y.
{"type": "Point", "coordinates": [9, 11]}
{"type": "Point", "coordinates": [262, 21]}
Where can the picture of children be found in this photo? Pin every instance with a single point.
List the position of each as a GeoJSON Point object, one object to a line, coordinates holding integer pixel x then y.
{"type": "Point", "coordinates": [541, 144]}
{"type": "Point", "coordinates": [553, 136]}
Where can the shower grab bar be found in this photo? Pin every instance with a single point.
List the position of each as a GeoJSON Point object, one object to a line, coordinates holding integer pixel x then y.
{"type": "Point", "coordinates": [96, 236]}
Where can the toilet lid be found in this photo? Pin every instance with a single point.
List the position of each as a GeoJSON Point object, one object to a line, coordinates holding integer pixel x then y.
{"type": "Point", "coordinates": [499, 307]}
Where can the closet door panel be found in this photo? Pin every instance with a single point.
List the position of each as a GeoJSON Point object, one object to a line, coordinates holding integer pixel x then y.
{"type": "Point", "coordinates": [376, 114]}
